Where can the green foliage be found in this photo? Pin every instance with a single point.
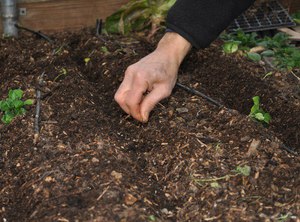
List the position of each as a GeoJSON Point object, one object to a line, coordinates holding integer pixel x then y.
{"type": "Point", "coordinates": [13, 106]}
{"type": "Point", "coordinates": [137, 15]}
{"type": "Point", "coordinates": [258, 113]}
{"type": "Point", "coordinates": [296, 17]}
{"type": "Point", "coordinates": [286, 56]}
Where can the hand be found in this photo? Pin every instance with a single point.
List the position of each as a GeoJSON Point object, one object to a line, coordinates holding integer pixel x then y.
{"type": "Point", "coordinates": [152, 78]}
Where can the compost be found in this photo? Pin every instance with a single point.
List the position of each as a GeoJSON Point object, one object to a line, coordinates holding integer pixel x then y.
{"type": "Point", "coordinates": [92, 162]}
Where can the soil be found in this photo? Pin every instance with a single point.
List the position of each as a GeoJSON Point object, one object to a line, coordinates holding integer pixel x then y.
{"type": "Point", "coordinates": [92, 162]}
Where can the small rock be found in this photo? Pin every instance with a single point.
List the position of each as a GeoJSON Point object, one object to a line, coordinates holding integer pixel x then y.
{"type": "Point", "coordinates": [253, 147]}
{"type": "Point", "coordinates": [182, 110]}
{"type": "Point", "coordinates": [95, 160]}
{"type": "Point", "coordinates": [245, 139]}
{"type": "Point", "coordinates": [130, 199]}
{"type": "Point", "coordinates": [116, 175]}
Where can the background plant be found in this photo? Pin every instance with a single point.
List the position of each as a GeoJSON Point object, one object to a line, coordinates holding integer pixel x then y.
{"type": "Point", "coordinates": [285, 55]}
{"type": "Point", "coordinates": [13, 106]}
{"type": "Point", "coordinates": [137, 15]}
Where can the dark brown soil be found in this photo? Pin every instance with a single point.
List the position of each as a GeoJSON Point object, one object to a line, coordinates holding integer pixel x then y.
{"type": "Point", "coordinates": [94, 163]}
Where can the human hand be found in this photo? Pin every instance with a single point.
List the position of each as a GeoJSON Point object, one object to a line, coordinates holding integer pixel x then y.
{"type": "Point", "coordinates": [152, 78]}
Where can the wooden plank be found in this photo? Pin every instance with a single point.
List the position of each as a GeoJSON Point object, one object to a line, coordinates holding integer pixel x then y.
{"type": "Point", "coordinates": [58, 15]}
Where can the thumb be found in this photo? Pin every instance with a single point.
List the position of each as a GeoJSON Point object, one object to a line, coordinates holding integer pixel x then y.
{"type": "Point", "coordinates": [151, 99]}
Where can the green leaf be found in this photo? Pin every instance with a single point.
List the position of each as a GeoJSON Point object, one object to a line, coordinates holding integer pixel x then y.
{"type": "Point", "coordinates": [253, 56]}
{"type": "Point", "coordinates": [18, 104]}
{"type": "Point", "coordinates": [243, 170]}
{"type": "Point", "coordinates": [28, 102]}
{"type": "Point", "coordinates": [7, 118]}
{"type": "Point", "coordinates": [15, 94]}
{"type": "Point", "coordinates": [4, 106]}
{"type": "Point", "coordinates": [256, 100]}
{"type": "Point", "coordinates": [268, 53]}
{"type": "Point", "coordinates": [231, 47]}
{"type": "Point", "coordinates": [259, 116]}
{"type": "Point", "coordinates": [267, 118]}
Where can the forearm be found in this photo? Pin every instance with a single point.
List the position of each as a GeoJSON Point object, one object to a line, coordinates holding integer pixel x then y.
{"type": "Point", "coordinates": [201, 21]}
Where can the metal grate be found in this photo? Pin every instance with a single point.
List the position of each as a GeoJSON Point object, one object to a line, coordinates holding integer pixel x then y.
{"type": "Point", "coordinates": [270, 15]}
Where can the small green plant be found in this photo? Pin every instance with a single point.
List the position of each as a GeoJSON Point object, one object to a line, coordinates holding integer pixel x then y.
{"type": "Point", "coordinates": [62, 72]}
{"type": "Point", "coordinates": [137, 15]}
{"type": "Point", "coordinates": [258, 113]}
{"type": "Point", "coordinates": [86, 60]}
{"type": "Point", "coordinates": [13, 106]}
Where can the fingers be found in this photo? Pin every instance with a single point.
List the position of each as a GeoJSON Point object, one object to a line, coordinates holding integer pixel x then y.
{"type": "Point", "coordinates": [151, 99]}
{"type": "Point", "coordinates": [130, 95]}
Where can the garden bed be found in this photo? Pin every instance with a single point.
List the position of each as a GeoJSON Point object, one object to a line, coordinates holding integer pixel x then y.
{"type": "Point", "coordinates": [92, 162]}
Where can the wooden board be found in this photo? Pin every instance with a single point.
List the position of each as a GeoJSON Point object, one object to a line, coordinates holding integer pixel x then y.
{"type": "Point", "coordinates": [57, 15]}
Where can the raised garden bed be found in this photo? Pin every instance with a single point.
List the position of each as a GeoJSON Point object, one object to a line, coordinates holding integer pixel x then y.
{"type": "Point", "coordinates": [94, 163]}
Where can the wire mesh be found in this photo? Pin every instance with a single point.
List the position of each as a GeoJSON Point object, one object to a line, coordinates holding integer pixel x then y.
{"type": "Point", "coordinates": [270, 15]}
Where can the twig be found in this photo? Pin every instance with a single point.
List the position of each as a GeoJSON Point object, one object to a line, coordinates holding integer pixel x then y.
{"type": "Point", "coordinates": [40, 34]}
{"type": "Point", "coordinates": [190, 90]}
{"type": "Point", "coordinates": [295, 75]}
{"type": "Point", "coordinates": [38, 110]}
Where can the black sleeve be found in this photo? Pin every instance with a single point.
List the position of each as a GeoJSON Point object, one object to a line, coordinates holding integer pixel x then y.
{"type": "Point", "coordinates": [201, 21]}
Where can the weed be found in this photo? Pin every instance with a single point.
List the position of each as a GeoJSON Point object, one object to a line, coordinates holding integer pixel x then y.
{"type": "Point", "coordinates": [13, 106]}
{"type": "Point", "coordinates": [258, 113]}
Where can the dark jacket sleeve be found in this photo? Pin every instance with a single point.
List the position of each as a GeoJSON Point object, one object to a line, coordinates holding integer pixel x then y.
{"type": "Point", "coordinates": [201, 21]}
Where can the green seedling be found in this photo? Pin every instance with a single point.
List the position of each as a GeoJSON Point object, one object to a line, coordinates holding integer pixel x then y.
{"type": "Point", "coordinates": [105, 50]}
{"type": "Point", "coordinates": [86, 61]}
{"type": "Point", "coordinates": [267, 75]}
{"type": "Point", "coordinates": [258, 113]}
{"type": "Point", "coordinates": [62, 72]}
{"type": "Point", "coordinates": [13, 106]}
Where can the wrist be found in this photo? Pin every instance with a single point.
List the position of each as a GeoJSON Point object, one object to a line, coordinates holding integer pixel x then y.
{"type": "Point", "coordinates": [174, 46]}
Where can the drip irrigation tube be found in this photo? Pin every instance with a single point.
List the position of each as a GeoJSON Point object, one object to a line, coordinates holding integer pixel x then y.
{"type": "Point", "coordinates": [39, 34]}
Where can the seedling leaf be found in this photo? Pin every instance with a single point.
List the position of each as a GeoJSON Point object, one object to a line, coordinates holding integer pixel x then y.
{"type": "Point", "coordinates": [243, 170]}
{"type": "Point", "coordinates": [28, 102]}
{"type": "Point", "coordinates": [231, 47]}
